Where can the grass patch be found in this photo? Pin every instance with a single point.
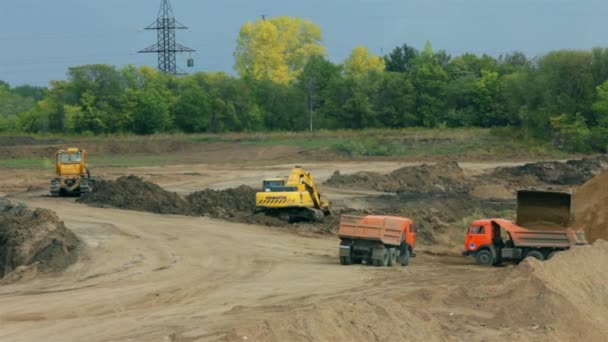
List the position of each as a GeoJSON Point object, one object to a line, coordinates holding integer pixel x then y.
{"type": "Point", "coordinates": [27, 163]}
{"type": "Point", "coordinates": [95, 161]}
{"type": "Point", "coordinates": [130, 161]}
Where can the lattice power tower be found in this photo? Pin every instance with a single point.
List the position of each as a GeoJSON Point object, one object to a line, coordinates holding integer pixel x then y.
{"type": "Point", "coordinates": [166, 46]}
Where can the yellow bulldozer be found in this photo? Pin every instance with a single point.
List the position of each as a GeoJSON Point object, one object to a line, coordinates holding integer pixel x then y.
{"type": "Point", "coordinates": [295, 198]}
{"type": "Point", "coordinates": [73, 176]}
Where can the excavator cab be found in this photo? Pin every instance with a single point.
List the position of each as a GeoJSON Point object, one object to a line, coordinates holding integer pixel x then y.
{"type": "Point", "coordinates": [276, 185]}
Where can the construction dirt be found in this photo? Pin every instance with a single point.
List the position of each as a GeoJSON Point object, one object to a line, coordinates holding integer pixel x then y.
{"type": "Point", "coordinates": [443, 177]}
{"type": "Point", "coordinates": [571, 172]}
{"type": "Point", "coordinates": [181, 264]}
{"type": "Point", "coordinates": [590, 203]}
{"type": "Point", "coordinates": [34, 239]}
{"type": "Point", "coordinates": [562, 299]}
{"type": "Point", "coordinates": [133, 193]}
{"type": "Point", "coordinates": [233, 204]}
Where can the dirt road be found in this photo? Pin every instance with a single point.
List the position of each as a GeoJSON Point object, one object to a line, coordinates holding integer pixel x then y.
{"type": "Point", "coordinates": [151, 277]}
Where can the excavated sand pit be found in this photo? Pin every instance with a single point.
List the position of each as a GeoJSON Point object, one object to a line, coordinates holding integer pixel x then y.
{"type": "Point", "coordinates": [34, 238]}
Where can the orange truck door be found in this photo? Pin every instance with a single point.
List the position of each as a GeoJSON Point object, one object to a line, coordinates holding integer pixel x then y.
{"type": "Point", "coordinates": [480, 234]}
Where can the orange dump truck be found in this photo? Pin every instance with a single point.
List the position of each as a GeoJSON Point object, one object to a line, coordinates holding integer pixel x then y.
{"type": "Point", "coordinates": [376, 240]}
{"type": "Point", "coordinates": [541, 230]}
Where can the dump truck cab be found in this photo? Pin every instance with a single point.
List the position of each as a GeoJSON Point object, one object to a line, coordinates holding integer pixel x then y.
{"type": "Point", "coordinates": [486, 235]}
{"type": "Point", "coordinates": [483, 234]}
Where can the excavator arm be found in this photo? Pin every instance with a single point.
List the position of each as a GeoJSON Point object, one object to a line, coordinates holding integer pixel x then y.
{"type": "Point", "coordinates": [300, 177]}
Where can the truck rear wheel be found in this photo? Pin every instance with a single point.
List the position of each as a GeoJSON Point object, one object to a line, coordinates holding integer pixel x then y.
{"type": "Point", "coordinates": [382, 262]}
{"type": "Point", "coordinates": [345, 260]}
{"type": "Point", "coordinates": [536, 255]}
{"type": "Point", "coordinates": [484, 258]}
{"type": "Point", "coordinates": [392, 257]}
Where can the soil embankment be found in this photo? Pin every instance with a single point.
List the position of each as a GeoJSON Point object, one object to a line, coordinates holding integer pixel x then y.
{"type": "Point", "coordinates": [591, 211]}
{"type": "Point", "coordinates": [560, 299]}
{"type": "Point", "coordinates": [34, 238]}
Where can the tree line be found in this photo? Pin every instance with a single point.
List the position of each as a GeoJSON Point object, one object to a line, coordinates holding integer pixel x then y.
{"type": "Point", "coordinates": [284, 76]}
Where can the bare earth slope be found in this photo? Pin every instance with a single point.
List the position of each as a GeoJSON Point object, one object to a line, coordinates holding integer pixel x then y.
{"type": "Point", "coordinates": [34, 238]}
{"type": "Point", "coordinates": [562, 299]}
{"type": "Point", "coordinates": [591, 210]}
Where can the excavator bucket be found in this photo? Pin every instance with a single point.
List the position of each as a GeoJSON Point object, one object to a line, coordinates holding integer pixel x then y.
{"type": "Point", "coordinates": [543, 209]}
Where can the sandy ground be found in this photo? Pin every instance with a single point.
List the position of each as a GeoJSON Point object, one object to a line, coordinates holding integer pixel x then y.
{"type": "Point", "coordinates": [146, 277]}
{"type": "Point", "coordinates": [152, 277]}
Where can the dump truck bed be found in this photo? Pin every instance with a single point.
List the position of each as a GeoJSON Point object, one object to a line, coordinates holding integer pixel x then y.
{"type": "Point", "coordinates": [523, 237]}
{"type": "Point", "coordinates": [385, 229]}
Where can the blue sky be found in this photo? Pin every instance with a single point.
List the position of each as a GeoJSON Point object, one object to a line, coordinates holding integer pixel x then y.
{"type": "Point", "coordinates": [40, 39]}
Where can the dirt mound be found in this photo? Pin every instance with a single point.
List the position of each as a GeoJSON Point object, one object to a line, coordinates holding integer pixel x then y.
{"type": "Point", "coordinates": [444, 177]}
{"type": "Point", "coordinates": [133, 193]}
{"type": "Point", "coordinates": [572, 172]}
{"type": "Point", "coordinates": [561, 299]}
{"type": "Point", "coordinates": [590, 211]}
{"type": "Point", "coordinates": [34, 237]}
{"type": "Point", "coordinates": [223, 203]}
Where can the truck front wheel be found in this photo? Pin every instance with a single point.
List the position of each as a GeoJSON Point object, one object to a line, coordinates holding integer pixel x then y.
{"type": "Point", "coordinates": [345, 260]}
{"type": "Point", "coordinates": [405, 258]}
{"type": "Point", "coordinates": [484, 258]}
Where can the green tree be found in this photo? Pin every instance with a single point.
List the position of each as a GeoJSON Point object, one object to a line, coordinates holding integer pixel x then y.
{"type": "Point", "coordinates": [149, 109]}
{"type": "Point", "coordinates": [429, 80]}
{"type": "Point", "coordinates": [395, 101]}
{"type": "Point", "coordinates": [315, 81]}
{"type": "Point", "coordinates": [401, 59]}
{"type": "Point", "coordinates": [571, 133]}
{"type": "Point", "coordinates": [488, 101]}
{"type": "Point", "coordinates": [193, 109]}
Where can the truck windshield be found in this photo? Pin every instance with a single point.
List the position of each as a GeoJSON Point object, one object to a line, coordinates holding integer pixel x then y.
{"type": "Point", "coordinates": [70, 158]}
{"type": "Point", "coordinates": [477, 230]}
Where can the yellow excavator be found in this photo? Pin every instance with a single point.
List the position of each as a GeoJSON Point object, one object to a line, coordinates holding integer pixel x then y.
{"type": "Point", "coordinates": [295, 198]}
{"type": "Point", "coordinates": [73, 176]}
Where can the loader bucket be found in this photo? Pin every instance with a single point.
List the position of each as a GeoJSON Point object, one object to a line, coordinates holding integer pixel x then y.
{"type": "Point", "coordinates": [538, 208]}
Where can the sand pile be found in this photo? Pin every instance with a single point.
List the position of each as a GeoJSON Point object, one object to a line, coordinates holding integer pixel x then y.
{"type": "Point", "coordinates": [34, 237]}
{"type": "Point", "coordinates": [444, 177]}
{"type": "Point", "coordinates": [572, 172]}
{"type": "Point", "coordinates": [591, 208]}
{"type": "Point", "coordinates": [562, 299]}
